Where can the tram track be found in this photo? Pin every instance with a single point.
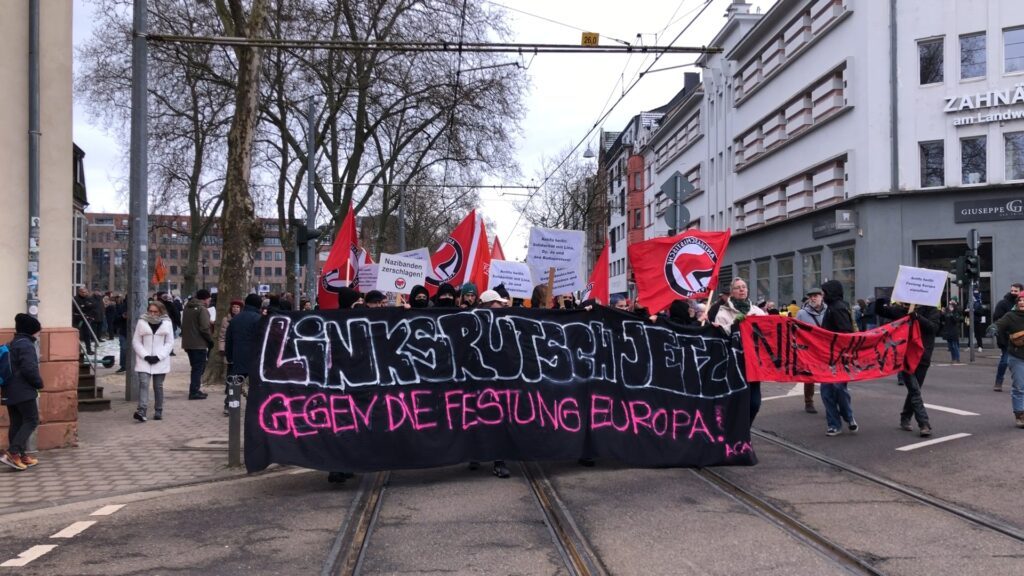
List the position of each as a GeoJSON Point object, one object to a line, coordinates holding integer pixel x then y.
{"type": "Point", "coordinates": [350, 543]}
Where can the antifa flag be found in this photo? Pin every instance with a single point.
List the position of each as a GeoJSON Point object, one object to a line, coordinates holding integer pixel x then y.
{"type": "Point", "coordinates": [683, 266]}
{"type": "Point", "coordinates": [455, 260]}
{"type": "Point", "coordinates": [781, 349]}
{"type": "Point", "coordinates": [597, 288]}
{"type": "Point", "coordinates": [388, 388]}
{"type": "Point", "coordinates": [342, 264]}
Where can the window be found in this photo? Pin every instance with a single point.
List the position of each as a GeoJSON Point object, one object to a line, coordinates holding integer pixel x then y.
{"type": "Point", "coordinates": [1014, 155]}
{"type": "Point", "coordinates": [972, 56]}
{"type": "Point", "coordinates": [929, 60]}
{"type": "Point", "coordinates": [259, 255]}
{"type": "Point", "coordinates": [256, 272]}
{"type": "Point", "coordinates": [277, 271]}
{"type": "Point", "coordinates": [268, 271]}
{"type": "Point", "coordinates": [216, 254]}
{"type": "Point", "coordinates": [785, 269]}
{"type": "Point", "coordinates": [764, 281]}
{"type": "Point", "coordinates": [1013, 49]}
{"type": "Point", "coordinates": [972, 159]}
{"type": "Point", "coordinates": [636, 181]}
{"type": "Point", "coordinates": [279, 256]}
{"type": "Point", "coordinates": [174, 254]}
{"type": "Point", "coordinates": [743, 271]}
{"type": "Point", "coordinates": [843, 271]}
{"type": "Point", "coordinates": [812, 271]}
{"type": "Point", "coordinates": [174, 269]}
{"type": "Point", "coordinates": [638, 218]}
{"type": "Point", "coordinates": [933, 172]}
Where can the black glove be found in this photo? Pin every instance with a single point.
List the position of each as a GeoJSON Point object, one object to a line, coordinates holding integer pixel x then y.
{"type": "Point", "coordinates": [152, 359]}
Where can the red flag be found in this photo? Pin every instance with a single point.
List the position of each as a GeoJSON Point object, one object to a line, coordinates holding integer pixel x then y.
{"type": "Point", "coordinates": [482, 270]}
{"type": "Point", "coordinates": [496, 252]}
{"type": "Point", "coordinates": [454, 260]}
{"type": "Point", "coordinates": [341, 266]}
{"type": "Point", "coordinates": [597, 288]}
{"type": "Point", "coordinates": [683, 266]}
{"type": "Point", "coordinates": [159, 272]}
{"type": "Point", "coordinates": [781, 349]}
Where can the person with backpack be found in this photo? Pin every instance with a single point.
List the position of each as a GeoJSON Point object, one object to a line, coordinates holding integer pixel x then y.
{"type": "Point", "coordinates": [20, 390]}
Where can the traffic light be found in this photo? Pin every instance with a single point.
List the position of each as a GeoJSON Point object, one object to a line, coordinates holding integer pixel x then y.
{"type": "Point", "coordinates": [302, 239]}
{"type": "Point", "coordinates": [972, 267]}
{"type": "Point", "coordinates": [960, 267]}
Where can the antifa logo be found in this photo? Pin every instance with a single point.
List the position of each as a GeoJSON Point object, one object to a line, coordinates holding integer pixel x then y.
{"type": "Point", "coordinates": [450, 257]}
{"type": "Point", "coordinates": [689, 266]}
{"type": "Point", "coordinates": [587, 290]}
{"type": "Point", "coordinates": [333, 281]}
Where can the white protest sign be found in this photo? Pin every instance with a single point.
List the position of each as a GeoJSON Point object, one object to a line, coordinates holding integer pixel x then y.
{"type": "Point", "coordinates": [514, 275]}
{"type": "Point", "coordinates": [367, 277]}
{"type": "Point", "coordinates": [561, 250]}
{"type": "Point", "coordinates": [417, 254]}
{"type": "Point", "coordinates": [919, 286]}
{"type": "Point", "coordinates": [399, 274]}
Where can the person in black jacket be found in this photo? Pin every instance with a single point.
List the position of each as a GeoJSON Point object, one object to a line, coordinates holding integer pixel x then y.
{"type": "Point", "coordinates": [1009, 302]}
{"type": "Point", "coordinates": [83, 316]}
{"type": "Point", "coordinates": [836, 396]}
{"type": "Point", "coordinates": [241, 342]}
{"type": "Point", "coordinates": [20, 393]}
{"type": "Point", "coordinates": [951, 320]}
{"type": "Point", "coordinates": [928, 318]}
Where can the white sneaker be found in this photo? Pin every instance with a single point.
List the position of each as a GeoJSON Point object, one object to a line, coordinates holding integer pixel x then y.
{"type": "Point", "coordinates": [979, 348]}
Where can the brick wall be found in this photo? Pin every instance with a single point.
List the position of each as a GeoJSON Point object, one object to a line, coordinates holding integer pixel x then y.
{"type": "Point", "coordinates": [58, 400]}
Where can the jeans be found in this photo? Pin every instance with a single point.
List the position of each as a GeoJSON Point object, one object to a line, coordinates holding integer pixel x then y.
{"type": "Point", "coordinates": [197, 359]}
{"type": "Point", "coordinates": [24, 417]}
{"type": "Point", "coordinates": [836, 398]}
{"type": "Point", "coordinates": [755, 400]}
{"type": "Point", "coordinates": [122, 343]}
{"type": "Point", "coordinates": [954, 349]}
{"type": "Point", "coordinates": [1017, 374]}
{"type": "Point", "coordinates": [1001, 368]}
{"type": "Point", "coordinates": [158, 392]}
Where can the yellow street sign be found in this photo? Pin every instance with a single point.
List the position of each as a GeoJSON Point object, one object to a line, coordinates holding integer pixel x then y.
{"type": "Point", "coordinates": [590, 39]}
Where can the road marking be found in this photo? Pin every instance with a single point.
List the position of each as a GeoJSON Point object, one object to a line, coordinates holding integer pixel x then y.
{"type": "Point", "coordinates": [107, 510]}
{"type": "Point", "coordinates": [796, 390]}
{"type": "Point", "coordinates": [74, 530]}
{"type": "Point", "coordinates": [29, 555]}
{"type": "Point", "coordinates": [950, 410]}
{"type": "Point", "coordinates": [300, 471]}
{"type": "Point", "coordinates": [930, 442]}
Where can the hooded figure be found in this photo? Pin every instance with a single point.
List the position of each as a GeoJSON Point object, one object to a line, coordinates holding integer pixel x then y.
{"type": "Point", "coordinates": [419, 297]}
{"type": "Point", "coordinates": [836, 396]}
{"type": "Point", "coordinates": [347, 297]}
{"type": "Point", "coordinates": [679, 312]}
{"type": "Point", "coordinates": [838, 316]}
{"type": "Point", "coordinates": [445, 297]}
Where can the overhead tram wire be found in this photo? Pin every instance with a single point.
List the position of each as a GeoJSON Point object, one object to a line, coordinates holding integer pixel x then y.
{"type": "Point", "coordinates": [710, 50]}
{"type": "Point", "coordinates": [553, 21]}
{"type": "Point", "coordinates": [455, 98]}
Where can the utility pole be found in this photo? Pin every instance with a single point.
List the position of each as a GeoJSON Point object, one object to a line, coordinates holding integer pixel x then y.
{"type": "Point", "coordinates": [311, 261]}
{"type": "Point", "coordinates": [401, 219]}
{"type": "Point", "coordinates": [972, 269]}
{"type": "Point", "coordinates": [32, 282]}
{"type": "Point", "coordinates": [137, 186]}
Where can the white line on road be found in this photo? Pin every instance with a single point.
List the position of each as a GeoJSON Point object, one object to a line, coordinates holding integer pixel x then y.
{"type": "Point", "coordinates": [796, 390]}
{"type": "Point", "coordinates": [74, 530]}
{"type": "Point", "coordinates": [29, 555]}
{"type": "Point", "coordinates": [107, 510]}
{"type": "Point", "coordinates": [300, 471]}
{"type": "Point", "coordinates": [950, 410]}
{"type": "Point", "coordinates": [930, 442]}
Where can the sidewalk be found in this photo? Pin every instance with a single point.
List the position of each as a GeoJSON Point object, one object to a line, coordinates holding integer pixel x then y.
{"type": "Point", "coordinates": [116, 454]}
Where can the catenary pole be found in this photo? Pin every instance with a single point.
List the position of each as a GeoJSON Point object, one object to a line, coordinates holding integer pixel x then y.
{"type": "Point", "coordinates": [311, 261]}
{"type": "Point", "coordinates": [137, 186]}
{"type": "Point", "coordinates": [32, 281]}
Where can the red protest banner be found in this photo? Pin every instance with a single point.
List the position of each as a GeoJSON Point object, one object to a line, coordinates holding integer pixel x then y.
{"type": "Point", "coordinates": [781, 349]}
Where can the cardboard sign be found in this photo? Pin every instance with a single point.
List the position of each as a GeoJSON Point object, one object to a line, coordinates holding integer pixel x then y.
{"type": "Point", "coordinates": [566, 279]}
{"type": "Point", "coordinates": [561, 250]}
{"type": "Point", "coordinates": [367, 279]}
{"type": "Point", "coordinates": [515, 276]}
{"type": "Point", "coordinates": [417, 254]}
{"type": "Point", "coordinates": [919, 286]}
{"type": "Point", "coordinates": [399, 274]}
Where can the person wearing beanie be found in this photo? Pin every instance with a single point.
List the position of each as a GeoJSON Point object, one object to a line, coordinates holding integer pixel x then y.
{"type": "Point", "coordinates": [469, 295]}
{"type": "Point", "coordinates": [419, 297]}
{"type": "Point", "coordinates": [242, 340]}
{"type": "Point", "coordinates": [20, 392]}
{"type": "Point", "coordinates": [445, 297]}
{"type": "Point", "coordinates": [197, 339]}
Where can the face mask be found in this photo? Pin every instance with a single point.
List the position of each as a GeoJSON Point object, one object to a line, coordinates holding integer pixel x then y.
{"type": "Point", "coordinates": [418, 303]}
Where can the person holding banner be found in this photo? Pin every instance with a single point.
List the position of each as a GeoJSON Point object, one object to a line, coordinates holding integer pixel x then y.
{"type": "Point", "coordinates": [729, 314]}
{"type": "Point", "coordinates": [836, 397]}
{"type": "Point", "coordinates": [812, 312]}
{"type": "Point", "coordinates": [928, 320]}
{"type": "Point", "coordinates": [445, 296]}
{"type": "Point", "coordinates": [469, 296]}
{"type": "Point", "coordinates": [1010, 329]}
{"type": "Point", "coordinates": [419, 297]}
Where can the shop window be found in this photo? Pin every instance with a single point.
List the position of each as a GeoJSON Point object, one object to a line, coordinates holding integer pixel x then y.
{"type": "Point", "coordinates": [1013, 49]}
{"type": "Point", "coordinates": [785, 272]}
{"type": "Point", "coordinates": [843, 270]}
{"type": "Point", "coordinates": [743, 271]}
{"type": "Point", "coordinates": [973, 59]}
{"type": "Point", "coordinates": [1014, 155]}
{"type": "Point", "coordinates": [933, 169]}
{"type": "Point", "coordinates": [764, 281]}
{"type": "Point", "coordinates": [930, 60]}
{"type": "Point", "coordinates": [973, 159]}
{"type": "Point", "coordinates": [812, 271]}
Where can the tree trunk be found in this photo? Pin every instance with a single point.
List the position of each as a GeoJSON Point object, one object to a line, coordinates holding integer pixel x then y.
{"type": "Point", "coordinates": [241, 229]}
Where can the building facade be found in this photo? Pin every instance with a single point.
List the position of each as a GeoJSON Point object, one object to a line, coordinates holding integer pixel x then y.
{"type": "Point", "coordinates": [839, 139]}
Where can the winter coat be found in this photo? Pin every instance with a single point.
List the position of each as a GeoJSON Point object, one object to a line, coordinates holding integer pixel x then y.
{"type": "Point", "coordinates": [727, 315]}
{"type": "Point", "coordinates": [242, 341]}
{"type": "Point", "coordinates": [838, 317]}
{"type": "Point", "coordinates": [222, 334]}
{"type": "Point", "coordinates": [809, 315]}
{"type": "Point", "coordinates": [195, 327]}
{"type": "Point", "coordinates": [1009, 302]}
{"type": "Point", "coordinates": [173, 312]}
{"type": "Point", "coordinates": [951, 321]}
{"type": "Point", "coordinates": [24, 386]}
{"type": "Point", "coordinates": [147, 343]}
{"type": "Point", "coordinates": [1011, 323]}
{"type": "Point", "coordinates": [88, 310]}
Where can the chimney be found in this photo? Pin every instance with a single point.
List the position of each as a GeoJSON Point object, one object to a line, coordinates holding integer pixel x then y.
{"type": "Point", "coordinates": [690, 81]}
{"type": "Point", "coordinates": [737, 7]}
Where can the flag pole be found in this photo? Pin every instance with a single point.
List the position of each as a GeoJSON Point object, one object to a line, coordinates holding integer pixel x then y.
{"type": "Point", "coordinates": [707, 307]}
{"type": "Point", "coordinates": [551, 286]}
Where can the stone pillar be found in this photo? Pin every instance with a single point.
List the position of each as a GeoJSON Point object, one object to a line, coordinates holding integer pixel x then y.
{"type": "Point", "coordinates": [58, 400]}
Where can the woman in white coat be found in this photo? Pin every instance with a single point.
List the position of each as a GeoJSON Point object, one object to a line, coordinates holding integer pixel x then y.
{"type": "Point", "coordinates": [152, 342]}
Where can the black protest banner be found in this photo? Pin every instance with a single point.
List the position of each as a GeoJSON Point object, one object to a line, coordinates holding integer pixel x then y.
{"type": "Point", "coordinates": [364, 390]}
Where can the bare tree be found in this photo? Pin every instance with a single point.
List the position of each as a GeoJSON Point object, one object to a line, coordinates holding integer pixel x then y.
{"type": "Point", "coordinates": [569, 199]}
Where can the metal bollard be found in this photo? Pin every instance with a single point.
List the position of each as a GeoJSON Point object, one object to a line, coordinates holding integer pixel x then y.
{"type": "Point", "coordinates": [235, 420]}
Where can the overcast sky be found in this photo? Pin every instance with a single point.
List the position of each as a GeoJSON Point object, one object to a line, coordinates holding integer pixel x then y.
{"type": "Point", "coordinates": [568, 93]}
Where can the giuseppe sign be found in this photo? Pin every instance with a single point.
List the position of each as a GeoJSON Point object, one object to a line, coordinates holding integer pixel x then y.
{"type": "Point", "coordinates": [384, 389]}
